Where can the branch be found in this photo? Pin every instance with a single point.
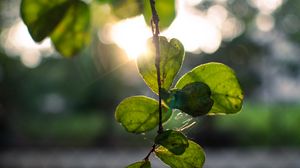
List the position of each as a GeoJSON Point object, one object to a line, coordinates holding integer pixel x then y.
{"type": "Point", "coordinates": [155, 33]}
{"type": "Point", "coordinates": [151, 151]}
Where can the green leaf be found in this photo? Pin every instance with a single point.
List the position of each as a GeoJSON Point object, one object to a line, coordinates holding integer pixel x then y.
{"type": "Point", "coordinates": [141, 164]}
{"type": "Point", "coordinates": [171, 58]}
{"type": "Point", "coordinates": [66, 21]}
{"type": "Point", "coordinates": [126, 8]}
{"type": "Point", "coordinates": [42, 16]}
{"type": "Point", "coordinates": [194, 99]}
{"type": "Point", "coordinates": [174, 141]}
{"type": "Point", "coordinates": [139, 114]}
{"type": "Point", "coordinates": [193, 157]}
{"type": "Point", "coordinates": [165, 10]}
{"type": "Point", "coordinates": [73, 33]}
{"type": "Point", "coordinates": [225, 88]}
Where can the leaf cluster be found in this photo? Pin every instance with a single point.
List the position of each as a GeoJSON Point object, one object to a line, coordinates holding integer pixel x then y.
{"type": "Point", "coordinates": [208, 89]}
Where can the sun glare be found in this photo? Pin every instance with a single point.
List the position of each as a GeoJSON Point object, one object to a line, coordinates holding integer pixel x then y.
{"type": "Point", "coordinates": [18, 42]}
{"type": "Point", "coordinates": [193, 29]}
{"type": "Point", "coordinates": [131, 35]}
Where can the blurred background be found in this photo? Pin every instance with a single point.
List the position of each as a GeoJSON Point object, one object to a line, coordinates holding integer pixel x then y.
{"type": "Point", "coordinates": [57, 112]}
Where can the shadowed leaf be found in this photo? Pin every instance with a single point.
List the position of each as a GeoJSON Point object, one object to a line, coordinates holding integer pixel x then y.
{"type": "Point", "coordinates": [193, 157]}
{"type": "Point", "coordinates": [194, 99]}
{"type": "Point", "coordinates": [174, 141]}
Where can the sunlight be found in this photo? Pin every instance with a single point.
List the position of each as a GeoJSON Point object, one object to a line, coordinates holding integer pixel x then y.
{"type": "Point", "coordinates": [131, 35]}
{"type": "Point", "coordinates": [193, 2]}
{"type": "Point", "coordinates": [198, 31]}
{"type": "Point", "coordinates": [267, 6]}
{"type": "Point", "coordinates": [195, 32]}
{"type": "Point", "coordinates": [18, 42]}
{"type": "Point", "coordinates": [264, 22]}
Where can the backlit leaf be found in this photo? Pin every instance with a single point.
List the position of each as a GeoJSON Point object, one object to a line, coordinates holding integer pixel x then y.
{"type": "Point", "coordinates": [42, 16]}
{"type": "Point", "coordinates": [165, 10]}
{"type": "Point", "coordinates": [193, 99]}
{"type": "Point", "coordinates": [174, 141]}
{"type": "Point", "coordinates": [193, 157]}
{"type": "Point", "coordinates": [139, 114]}
{"type": "Point", "coordinates": [73, 33]}
{"type": "Point", "coordinates": [224, 86]}
{"type": "Point", "coordinates": [67, 22]}
{"type": "Point", "coordinates": [141, 164]}
{"type": "Point", "coordinates": [171, 58]}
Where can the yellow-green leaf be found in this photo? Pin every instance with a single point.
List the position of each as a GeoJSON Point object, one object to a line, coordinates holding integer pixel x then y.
{"type": "Point", "coordinates": [165, 10]}
{"type": "Point", "coordinates": [224, 86]}
{"type": "Point", "coordinates": [139, 114]}
{"type": "Point", "coordinates": [73, 32]}
{"type": "Point", "coordinates": [171, 58]}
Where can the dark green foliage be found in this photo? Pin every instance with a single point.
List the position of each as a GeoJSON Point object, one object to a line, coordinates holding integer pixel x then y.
{"type": "Point", "coordinates": [174, 141]}
{"type": "Point", "coordinates": [193, 157]}
{"type": "Point", "coordinates": [194, 99]}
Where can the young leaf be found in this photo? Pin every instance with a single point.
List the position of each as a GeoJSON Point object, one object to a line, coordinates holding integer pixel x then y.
{"type": "Point", "coordinates": [174, 141]}
{"type": "Point", "coordinates": [141, 164]}
{"type": "Point", "coordinates": [194, 99]}
{"type": "Point", "coordinates": [171, 58]}
{"type": "Point", "coordinates": [193, 157]}
{"type": "Point", "coordinates": [165, 10]}
{"type": "Point", "coordinates": [139, 114]}
{"type": "Point", "coordinates": [42, 16]}
{"type": "Point", "coordinates": [73, 32]}
{"type": "Point", "coordinates": [226, 91]}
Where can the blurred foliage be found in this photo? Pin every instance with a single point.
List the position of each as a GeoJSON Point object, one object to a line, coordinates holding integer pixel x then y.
{"type": "Point", "coordinates": [66, 22]}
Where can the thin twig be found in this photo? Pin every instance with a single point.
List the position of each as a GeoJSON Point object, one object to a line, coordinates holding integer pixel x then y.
{"type": "Point", "coordinates": [155, 33]}
{"type": "Point", "coordinates": [151, 151]}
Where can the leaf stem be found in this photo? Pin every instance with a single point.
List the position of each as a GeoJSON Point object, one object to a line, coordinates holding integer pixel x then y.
{"type": "Point", "coordinates": [155, 33]}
